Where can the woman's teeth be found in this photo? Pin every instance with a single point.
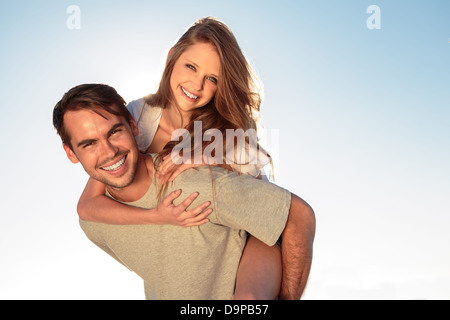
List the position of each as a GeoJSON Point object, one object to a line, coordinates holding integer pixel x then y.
{"type": "Point", "coordinates": [115, 166]}
{"type": "Point", "coordinates": [190, 95]}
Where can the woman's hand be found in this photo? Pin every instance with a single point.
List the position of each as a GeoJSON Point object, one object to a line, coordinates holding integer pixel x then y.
{"type": "Point", "coordinates": [168, 172]}
{"type": "Point", "coordinates": [168, 213]}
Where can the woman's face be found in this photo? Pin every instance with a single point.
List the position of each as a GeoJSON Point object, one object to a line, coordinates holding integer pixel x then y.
{"type": "Point", "coordinates": [194, 77]}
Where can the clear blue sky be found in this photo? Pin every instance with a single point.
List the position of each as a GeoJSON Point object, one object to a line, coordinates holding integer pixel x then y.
{"type": "Point", "coordinates": [362, 116]}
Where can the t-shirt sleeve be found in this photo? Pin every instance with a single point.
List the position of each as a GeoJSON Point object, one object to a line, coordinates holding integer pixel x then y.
{"type": "Point", "coordinates": [259, 207]}
{"type": "Point", "coordinates": [249, 159]}
{"type": "Point", "coordinates": [96, 237]}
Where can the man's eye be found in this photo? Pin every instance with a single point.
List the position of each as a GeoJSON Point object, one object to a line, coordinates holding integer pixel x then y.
{"type": "Point", "coordinates": [86, 145]}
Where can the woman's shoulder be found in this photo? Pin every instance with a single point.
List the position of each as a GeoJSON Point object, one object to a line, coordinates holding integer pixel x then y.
{"type": "Point", "coordinates": [135, 107]}
{"type": "Point", "coordinates": [143, 107]}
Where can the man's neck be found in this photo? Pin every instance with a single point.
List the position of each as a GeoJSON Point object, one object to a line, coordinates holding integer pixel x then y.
{"type": "Point", "coordinates": [140, 184]}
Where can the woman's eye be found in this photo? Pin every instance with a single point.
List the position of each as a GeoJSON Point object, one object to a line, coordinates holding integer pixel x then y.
{"type": "Point", "coordinates": [190, 66]}
{"type": "Point", "coordinates": [213, 80]}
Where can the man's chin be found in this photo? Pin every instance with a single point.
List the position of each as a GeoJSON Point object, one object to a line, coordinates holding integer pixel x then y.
{"type": "Point", "coordinates": [116, 180]}
{"type": "Point", "coordinates": [117, 183]}
{"type": "Point", "coordinates": [113, 182]}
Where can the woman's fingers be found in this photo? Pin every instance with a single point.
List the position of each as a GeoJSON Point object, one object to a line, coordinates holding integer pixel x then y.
{"type": "Point", "coordinates": [199, 219]}
{"type": "Point", "coordinates": [172, 196]}
{"type": "Point", "coordinates": [196, 211]}
{"type": "Point", "coordinates": [163, 169]}
{"type": "Point", "coordinates": [168, 164]}
{"type": "Point", "coordinates": [187, 202]}
{"type": "Point", "coordinates": [187, 218]}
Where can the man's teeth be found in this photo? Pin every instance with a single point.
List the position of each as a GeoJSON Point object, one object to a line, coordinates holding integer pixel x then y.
{"type": "Point", "coordinates": [190, 95]}
{"type": "Point", "coordinates": [115, 166]}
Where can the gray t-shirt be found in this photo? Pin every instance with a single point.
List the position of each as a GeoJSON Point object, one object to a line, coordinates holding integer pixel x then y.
{"type": "Point", "coordinates": [200, 262]}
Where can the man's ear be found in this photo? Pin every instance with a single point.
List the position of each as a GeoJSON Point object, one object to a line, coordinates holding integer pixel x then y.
{"type": "Point", "coordinates": [70, 154]}
{"type": "Point", "coordinates": [134, 126]}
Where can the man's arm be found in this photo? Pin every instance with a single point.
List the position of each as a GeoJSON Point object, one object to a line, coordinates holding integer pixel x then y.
{"type": "Point", "coordinates": [297, 248]}
{"type": "Point", "coordinates": [95, 206]}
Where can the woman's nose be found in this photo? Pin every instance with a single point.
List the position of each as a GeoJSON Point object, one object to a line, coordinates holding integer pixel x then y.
{"type": "Point", "coordinates": [198, 82]}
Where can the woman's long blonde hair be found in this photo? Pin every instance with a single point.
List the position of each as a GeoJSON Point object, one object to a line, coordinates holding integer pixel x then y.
{"type": "Point", "coordinates": [237, 101]}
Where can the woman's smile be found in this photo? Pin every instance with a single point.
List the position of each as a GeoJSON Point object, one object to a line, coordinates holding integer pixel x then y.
{"type": "Point", "coordinates": [188, 94]}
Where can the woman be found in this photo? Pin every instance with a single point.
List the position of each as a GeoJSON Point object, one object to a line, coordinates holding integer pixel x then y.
{"type": "Point", "coordinates": [208, 80]}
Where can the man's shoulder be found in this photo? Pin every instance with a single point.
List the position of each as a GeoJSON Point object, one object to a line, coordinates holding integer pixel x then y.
{"type": "Point", "coordinates": [149, 162]}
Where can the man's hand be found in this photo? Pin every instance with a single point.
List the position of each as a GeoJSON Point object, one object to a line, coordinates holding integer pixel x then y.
{"type": "Point", "coordinates": [168, 213]}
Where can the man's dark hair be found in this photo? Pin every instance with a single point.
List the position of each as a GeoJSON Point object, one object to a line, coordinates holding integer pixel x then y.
{"type": "Point", "coordinates": [88, 97]}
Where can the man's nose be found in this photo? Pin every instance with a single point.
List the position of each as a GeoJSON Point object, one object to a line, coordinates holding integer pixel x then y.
{"type": "Point", "coordinates": [109, 149]}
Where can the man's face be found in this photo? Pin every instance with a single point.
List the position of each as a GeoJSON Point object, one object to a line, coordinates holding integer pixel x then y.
{"type": "Point", "coordinates": [105, 146]}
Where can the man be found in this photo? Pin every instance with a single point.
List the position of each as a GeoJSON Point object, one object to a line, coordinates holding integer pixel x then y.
{"type": "Point", "coordinates": [180, 263]}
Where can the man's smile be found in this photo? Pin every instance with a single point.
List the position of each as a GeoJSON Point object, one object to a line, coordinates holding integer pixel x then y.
{"type": "Point", "coordinates": [115, 166]}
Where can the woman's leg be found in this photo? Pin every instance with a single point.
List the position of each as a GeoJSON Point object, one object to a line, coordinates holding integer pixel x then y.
{"type": "Point", "coordinates": [259, 273]}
